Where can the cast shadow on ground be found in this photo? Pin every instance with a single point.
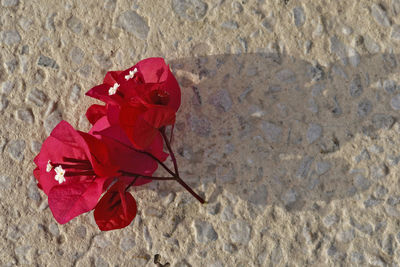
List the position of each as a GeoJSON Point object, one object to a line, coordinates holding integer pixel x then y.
{"type": "Point", "coordinates": [274, 129]}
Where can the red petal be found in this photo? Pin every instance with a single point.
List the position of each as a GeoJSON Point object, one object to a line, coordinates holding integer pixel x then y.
{"type": "Point", "coordinates": [102, 164]}
{"type": "Point", "coordinates": [111, 77]}
{"type": "Point", "coordinates": [70, 200]}
{"type": "Point", "coordinates": [116, 209]}
{"type": "Point", "coordinates": [95, 112]}
{"type": "Point", "coordinates": [154, 70]}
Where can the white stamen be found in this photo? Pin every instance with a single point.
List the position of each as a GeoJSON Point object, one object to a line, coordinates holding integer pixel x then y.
{"type": "Point", "coordinates": [59, 174]}
{"type": "Point", "coordinates": [49, 166]}
{"type": "Point", "coordinates": [131, 74]}
{"type": "Point", "coordinates": [113, 89]}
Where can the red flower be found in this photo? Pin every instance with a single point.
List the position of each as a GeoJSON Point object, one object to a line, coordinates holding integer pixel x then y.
{"type": "Point", "coordinates": [116, 209]}
{"type": "Point", "coordinates": [141, 99]}
{"type": "Point", "coordinates": [72, 168]}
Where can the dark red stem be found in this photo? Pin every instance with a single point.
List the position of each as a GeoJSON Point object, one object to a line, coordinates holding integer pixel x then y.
{"type": "Point", "coordinates": [177, 177]}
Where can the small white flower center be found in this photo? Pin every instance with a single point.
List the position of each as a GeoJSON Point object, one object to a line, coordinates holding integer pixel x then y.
{"type": "Point", "coordinates": [59, 174]}
{"type": "Point", "coordinates": [131, 74]}
{"type": "Point", "coordinates": [113, 89]}
{"type": "Point", "coordinates": [49, 166]}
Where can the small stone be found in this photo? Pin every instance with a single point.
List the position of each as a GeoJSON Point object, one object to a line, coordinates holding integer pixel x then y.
{"type": "Point", "coordinates": [338, 48]}
{"type": "Point", "coordinates": [330, 220]}
{"type": "Point", "coordinates": [16, 150]}
{"type": "Point", "coordinates": [364, 155]}
{"type": "Point", "coordinates": [3, 102]}
{"type": "Point", "coordinates": [381, 191]}
{"type": "Point", "coordinates": [388, 245]}
{"type": "Point", "coordinates": [390, 86]}
{"type": "Point", "coordinates": [199, 125]}
{"type": "Point", "coordinates": [393, 200]}
{"type": "Point", "coordinates": [379, 171]}
{"type": "Point", "coordinates": [299, 16]}
{"type": "Point", "coordinates": [11, 37]}
{"type": "Point", "coordinates": [53, 229]}
{"type": "Point", "coordinates": [395, 32]}
{"type": "Point", "coordinates": [80, 231]}
{"type": "Point", "coordinates": [213, 209]}
{"type": "Point", "coordinates": [76, 55]}
{"type": "Point", "coordinates": [11, 65]}
{"type": "Point", "coordinates": [5, 182]}
{"type": "Point", "coordinates": [357, 258]}
{"type": "Point", "coordinates": [304, 167]}
{"type": "Point", "coordinates": [230, 248]}
{"type": "Point", "coordinates": [25, 115]}
{"type": "Point", "coordinates": [267, 24]}
{"type": "Point", "coordinates": [100, 262]}
{"type": "Point", "coordinates": [22, 254]}
{"type": "Point", "coordinates": [396, 6]}
{"type": "Point", "coordinates": [101, 241]}
{"type": "Point", "coordinates": [371, 202]}
{"type": "Point", "coordinates": [50, 22]}
{"type": "Point", "coordinates": [190, 9]}
{"type": "Point", "coordinates": [346, 236]}
{"type": "Point", "coordinates": [286, 75]}
{"type": "Point", "coordinates": [375, 149]}
{"type": "Point", "coordinates": [272, 132]}
{"type": "Point", "coordinates": [227, 214]}
{"type": "Point", "coordinates": [237, 7]}
{"type": "Point", "coordinates": [323, 167]}
{"type": "Point", "coordinates": [231, 25]}
{"type": "Point", "coordinates": [259, 196]}
{"type": "Point", "coordinates": [33, 192]}
{"type": "Point", "coordinates": [75, 94]}
{"type": "Point", "coordinates": [240, 232]}
{"type": "Point", "coordinates": [380, 15]}
{"type": "Point", "coordinates": [131, 22]}
{"type": "Point", "coordinates": [7, 87]}
{"type": "Point", "coordinates": [307, 46]}
{"type": "Point", "coordinates": [245, 93]}
{"type": "Point", "coordinates": [74, 24]}
{"type": "Point", "coordinates": [314, 132]}
{"type": "Point", "coordinates": [289, 197]}
{"type": "Point", "coordinates": [356, 88]}
{"type": "Point", "coordinates": [389, 61]}
{"type": "Point", "coordinates": [51, 121]}
{"type": "Point", "coordinates": [9, 3]}
{"type": "Point", "coordinates": [364, 228]}
{"type": "Point", "coordinates": [317, 90]}
{"type": "Point", "coordinates": [346, 30]}
{"type": "Point", "coordinates": [47, 62]}
{"type": "Point", "coordinates": [221, 100]}
{"type": "Point", "coordinates": [372, 46]}
{"type": "Point", "coordinates": [313, 106]}
{"type": "Point", "coordinates": [393, 160]}
{"type": "Point", "coordinates": [395, 102]}
{"type": "Point", "coordinates": [13, 233]}
{"type": "Point", "coordinates": [204, 232]}
{"type": "Point", "coordinates": [354, 57]}
{"type": "Point", "coordinates": [361, 182]}
{"type": "Point", "coordinates": [364, 108]}
{"type": "Point", "coordinates": [127, 243]}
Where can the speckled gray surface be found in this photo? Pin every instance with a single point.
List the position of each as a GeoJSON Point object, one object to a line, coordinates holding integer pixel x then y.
{"type": "Point", "coordinates": [288, 126]}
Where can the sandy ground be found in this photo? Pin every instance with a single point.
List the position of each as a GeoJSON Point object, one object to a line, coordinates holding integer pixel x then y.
{"type": "Point", "coordinates": [288, 127]}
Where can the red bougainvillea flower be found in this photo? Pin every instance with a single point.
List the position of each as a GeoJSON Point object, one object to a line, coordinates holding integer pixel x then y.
{"type": "Point", "coordinates": [72, 169]}
{"type": "Point", "coordinates": [126, 157]}
{"type": "Point", "coordinates": [141, 99]}
{"type": "Point", "coordinates": [116, 209]}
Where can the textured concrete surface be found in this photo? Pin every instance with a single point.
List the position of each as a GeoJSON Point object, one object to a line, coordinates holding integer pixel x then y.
{"type": "Point", "coordinates": [288, 126]}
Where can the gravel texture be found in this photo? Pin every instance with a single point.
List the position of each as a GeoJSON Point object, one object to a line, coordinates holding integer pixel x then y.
{"type": "Point", "coordinates": [289, 127]}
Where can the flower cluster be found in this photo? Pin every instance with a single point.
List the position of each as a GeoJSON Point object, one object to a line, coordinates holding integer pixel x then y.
{"type": "Point", "coordinates": [123, 148]}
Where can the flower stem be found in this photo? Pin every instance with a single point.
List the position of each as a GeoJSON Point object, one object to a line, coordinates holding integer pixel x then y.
{"type": "Point", "coordinates": [145, 176]}
{"type": "Point", "coordinates": [176, 176]}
